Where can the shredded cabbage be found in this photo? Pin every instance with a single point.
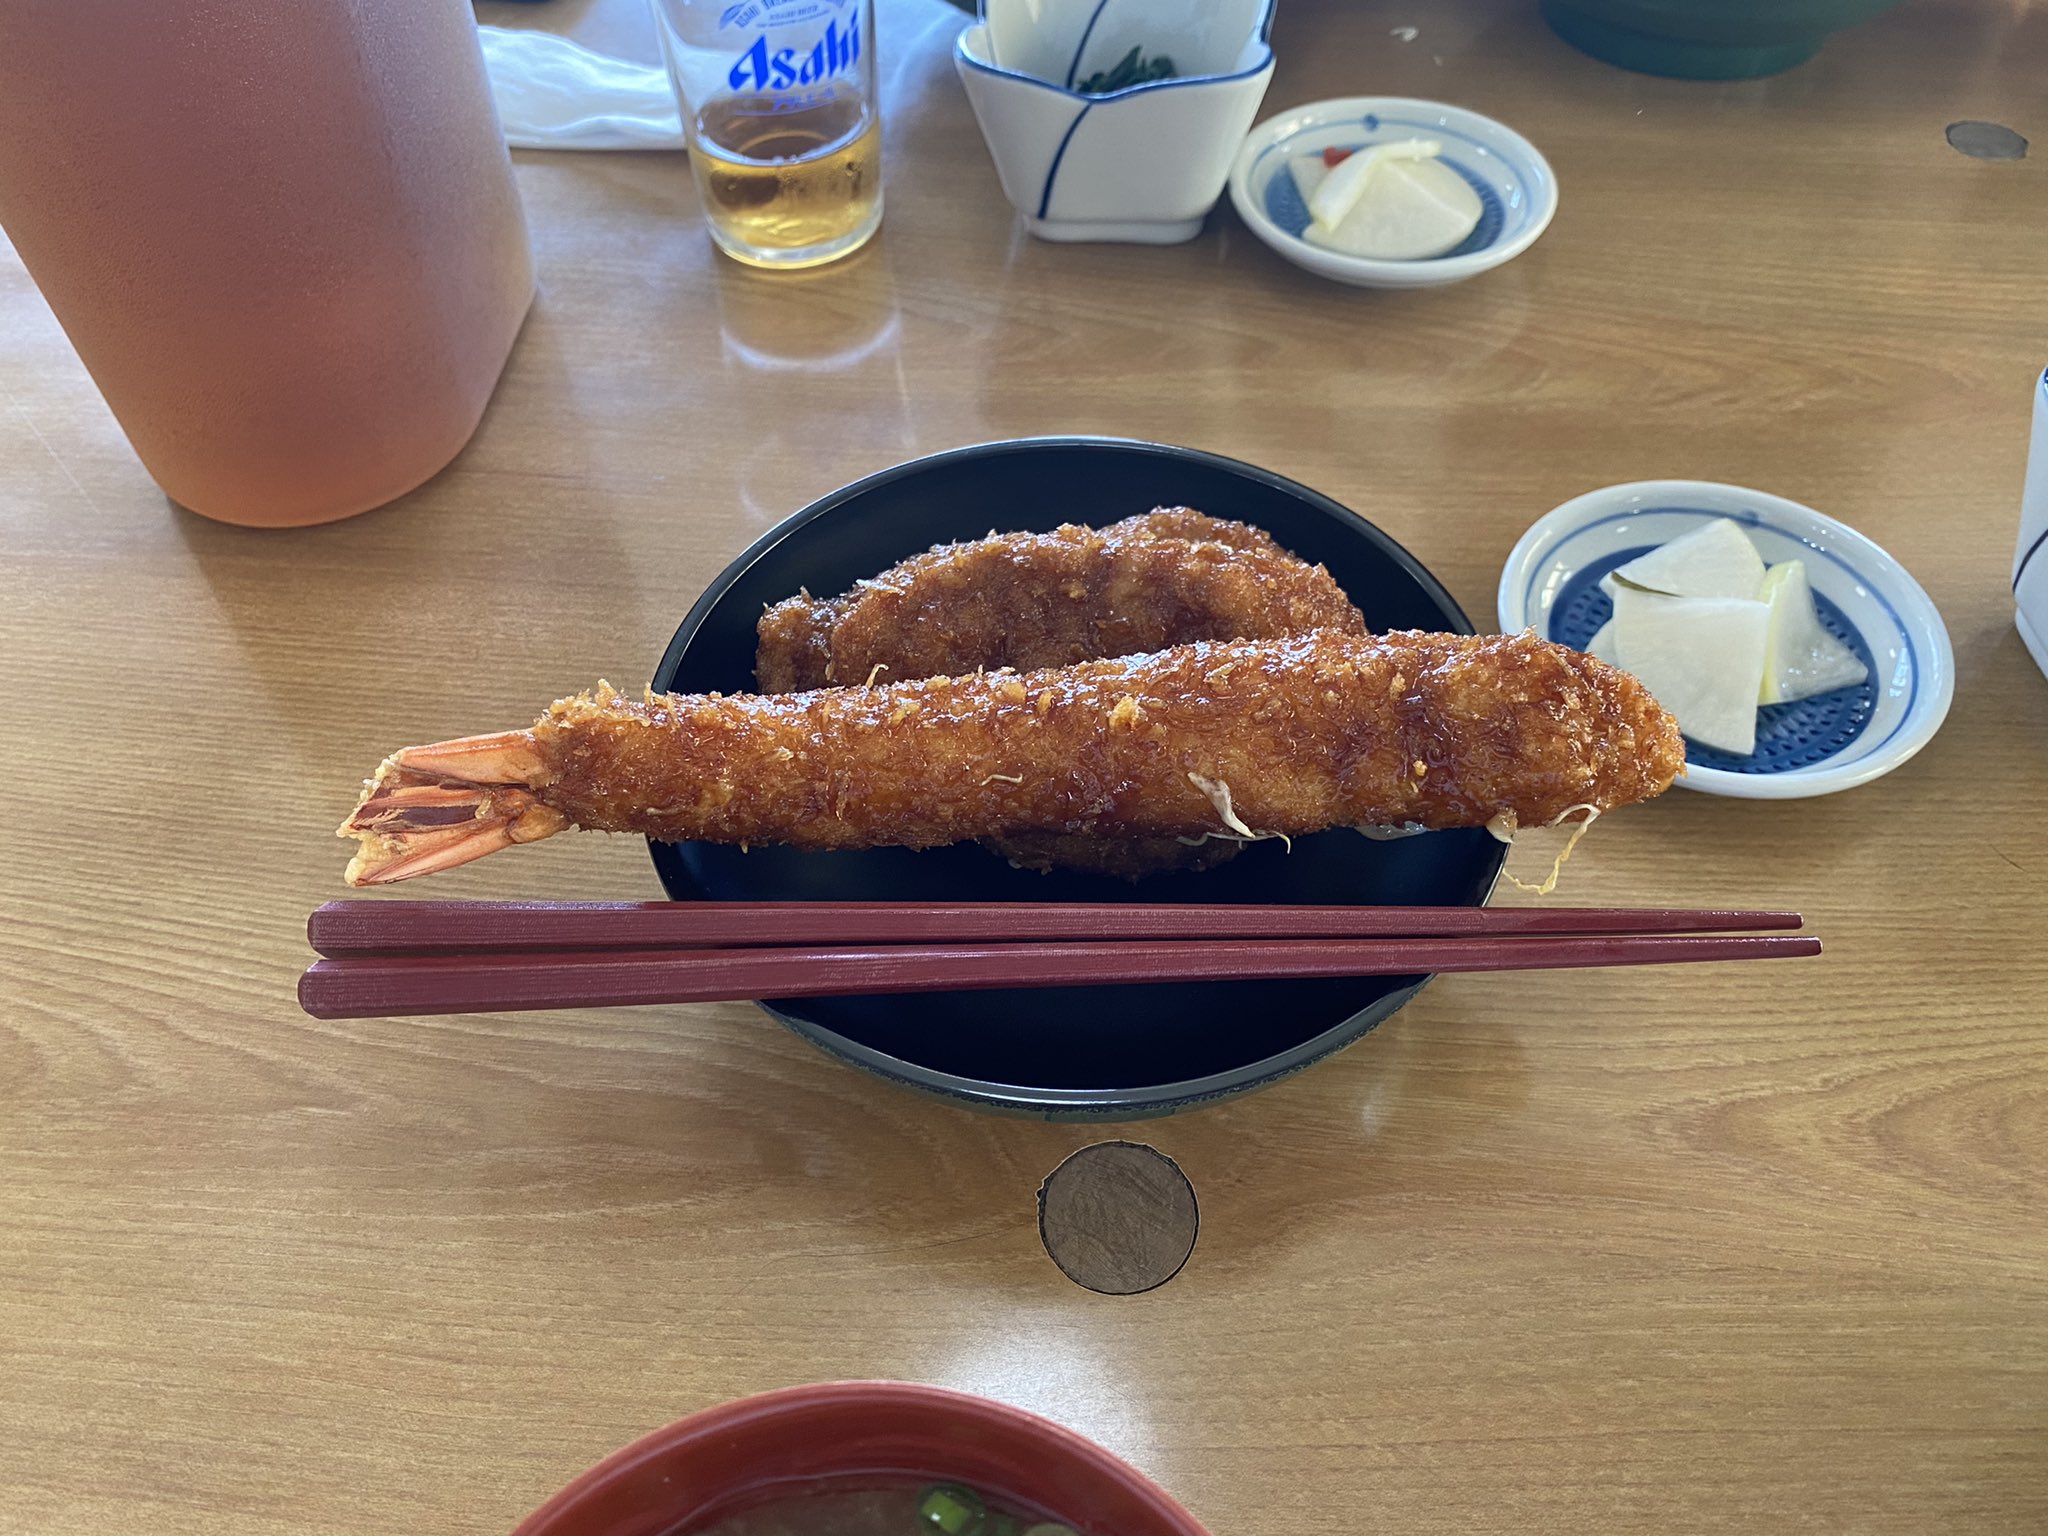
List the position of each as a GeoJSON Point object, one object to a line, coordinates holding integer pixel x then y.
{"type": "Point", "coordinates": [1236, 831]}
{"type": "Point", "coordinates": [1557, 865]}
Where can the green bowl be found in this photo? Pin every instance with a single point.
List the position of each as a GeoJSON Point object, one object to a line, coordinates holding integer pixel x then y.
{"type": "Point", "coordinates": [1705, 39]}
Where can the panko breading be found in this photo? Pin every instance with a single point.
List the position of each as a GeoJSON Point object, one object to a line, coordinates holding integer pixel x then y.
{"type": "Point", "coordinates": [1247, 737]}
{"type": "Point", "coordinates": [1027, 600]}
{"type": "Point", "coordinates": [1030, 600]}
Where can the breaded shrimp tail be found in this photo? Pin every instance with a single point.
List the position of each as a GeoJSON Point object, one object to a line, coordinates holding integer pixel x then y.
{"type": "Point", "coordinates": [1246, 737]}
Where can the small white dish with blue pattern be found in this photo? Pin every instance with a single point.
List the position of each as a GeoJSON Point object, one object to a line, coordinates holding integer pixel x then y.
{"type": "Point", "coordinates": [1517, 189]}
{"type": "Point", "coordinates": [1864, 597]}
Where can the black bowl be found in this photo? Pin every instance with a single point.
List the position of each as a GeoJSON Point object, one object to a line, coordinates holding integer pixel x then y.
{"type": "Point", "coordinates": [1081, 1052]}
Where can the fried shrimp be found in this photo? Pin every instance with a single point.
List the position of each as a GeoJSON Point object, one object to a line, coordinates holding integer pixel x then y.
{"type": "Point", "coordinates": [1030, 600]}
{"type": "Point", "coordinates": [1245, 738]}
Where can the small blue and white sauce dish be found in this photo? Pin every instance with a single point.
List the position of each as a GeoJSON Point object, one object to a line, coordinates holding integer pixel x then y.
{"type": "Point", "coordinates": [1116, 119]}
{"type": "Point", "coordinates": [1506, 188]}
{"type": "Point", "coordinates": [1879, 672]}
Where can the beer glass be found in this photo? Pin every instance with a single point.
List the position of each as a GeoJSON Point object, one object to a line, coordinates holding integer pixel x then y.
{"type": "Point", "coordinates": [778, 100]}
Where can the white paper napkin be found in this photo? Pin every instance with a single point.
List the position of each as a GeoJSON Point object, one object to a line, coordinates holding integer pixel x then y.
{"type": "Point", "coordinates": [555, 94]}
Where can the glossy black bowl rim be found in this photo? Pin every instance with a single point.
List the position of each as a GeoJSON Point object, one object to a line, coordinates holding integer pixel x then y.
{"type": "Point", "coordinates": [1099, 1104]}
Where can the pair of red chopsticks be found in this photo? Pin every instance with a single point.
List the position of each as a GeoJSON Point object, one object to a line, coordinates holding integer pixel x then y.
{"type": "Point", "coordinates": [406, 957]}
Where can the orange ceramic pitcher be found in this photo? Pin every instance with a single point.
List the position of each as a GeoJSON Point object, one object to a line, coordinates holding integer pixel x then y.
{"type": "Point", "coordinates": [282, 235]}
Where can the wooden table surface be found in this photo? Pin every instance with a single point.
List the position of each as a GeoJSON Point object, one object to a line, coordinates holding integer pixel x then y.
{"type": "Point", "coordinates": [1691, 1251]}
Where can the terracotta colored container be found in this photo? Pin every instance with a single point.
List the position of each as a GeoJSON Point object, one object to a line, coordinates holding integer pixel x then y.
{"type": "Point", "coordinates": [712, 1460]}
{"type": "Point", "coordinates": [283, 236]}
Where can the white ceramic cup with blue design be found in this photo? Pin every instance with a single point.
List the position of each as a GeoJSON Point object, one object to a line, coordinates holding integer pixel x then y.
{"type": "Point", "coordinates": [2030, 560]}
{"type": "Point", "coordinates": [1143, 164]}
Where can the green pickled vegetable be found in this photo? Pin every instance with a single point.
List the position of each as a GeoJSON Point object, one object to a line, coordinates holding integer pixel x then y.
{"type": "Point", "coordinates": [1132, 69]}
{"type": "Point", "coordinates": [951, 1509]}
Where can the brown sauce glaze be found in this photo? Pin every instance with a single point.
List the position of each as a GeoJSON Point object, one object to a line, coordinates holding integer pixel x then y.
{"type": "Point", "coordinates": [1030, 600]}
{"type": "Point", "coordinates": [1306, 732]}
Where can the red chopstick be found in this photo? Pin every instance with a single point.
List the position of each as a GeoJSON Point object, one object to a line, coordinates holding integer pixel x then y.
{"type": "Point", "coordinates": [378, 986]}
{"type": "Point", "coordinates": [348, 928]}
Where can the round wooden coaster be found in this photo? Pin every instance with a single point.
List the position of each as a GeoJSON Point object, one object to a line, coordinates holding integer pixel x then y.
{"type": "Point", "coordinates": [1118, 1217]}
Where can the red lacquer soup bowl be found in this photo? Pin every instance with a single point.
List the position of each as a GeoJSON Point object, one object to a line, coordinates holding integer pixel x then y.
{"type": "Point", "coordinates": [719, 1459]}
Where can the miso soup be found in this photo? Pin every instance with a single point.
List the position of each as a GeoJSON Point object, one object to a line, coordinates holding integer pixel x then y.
{"type": "Point", "coordinates": [875, 1506]}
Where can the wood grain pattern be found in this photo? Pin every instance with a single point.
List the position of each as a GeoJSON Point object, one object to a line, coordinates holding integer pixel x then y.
{"type": "Point", "coordinates": [1754, 1249]}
